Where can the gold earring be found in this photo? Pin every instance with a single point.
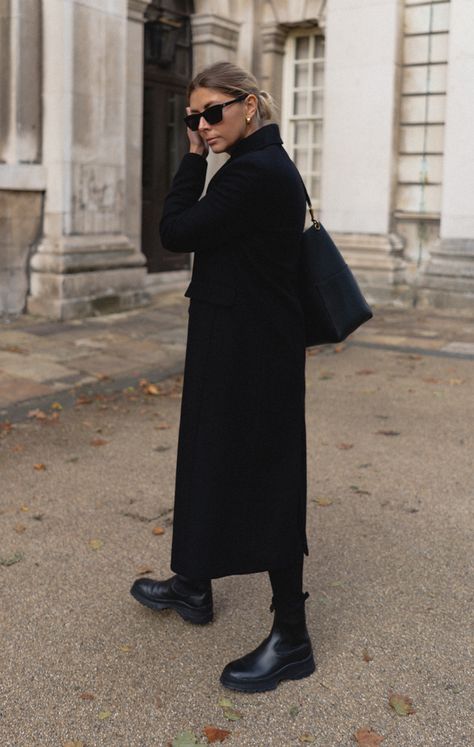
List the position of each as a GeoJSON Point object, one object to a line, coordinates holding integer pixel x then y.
{"type": "Point", "coordinates": [248, 119]}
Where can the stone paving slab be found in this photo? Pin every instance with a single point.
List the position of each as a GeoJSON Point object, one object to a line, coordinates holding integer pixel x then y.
{"type": "Point", "coordinates": [40, 357]}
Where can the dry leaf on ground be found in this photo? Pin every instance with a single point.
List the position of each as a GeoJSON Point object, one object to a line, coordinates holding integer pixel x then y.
{"type": "Point", "coordinates": [98, 441]}
{"type": "Point", "coordinates": [401, 704]}
{"type": "Point", "coordinates": [95, 544]}
{"type": "Point", "coordinates": [39, 467]}
{"type": "Point", "coordinates": [368, 738]}
{"type": "Point", "coordinates": [323, 502]}
{"type": "Point", "coordinates": [142, 569]}
{"type": "Point", "coordinates": [366, 655]}
{"type": "Point", "coordinates": [87, 696]}
{"type": "Point", "coordinates": [102, 715]}
{"type": "Point", "coordinates": [158, 530]}
{"type": "Point", "coordinates": [344, 446]}
{"type": "Point", "coordinates": [214, 734]}
{"type": "Point", "coordinates": [388, 433]}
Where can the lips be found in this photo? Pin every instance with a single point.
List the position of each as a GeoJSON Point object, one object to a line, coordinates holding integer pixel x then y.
{"type": "Point", "coordinates": [211, 140]}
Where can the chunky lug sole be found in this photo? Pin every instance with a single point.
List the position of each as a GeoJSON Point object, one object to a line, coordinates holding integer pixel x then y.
{"type": "Point", "coordinates": [190, 614]}
{"type": "Point", "coordinates": [294, 671]}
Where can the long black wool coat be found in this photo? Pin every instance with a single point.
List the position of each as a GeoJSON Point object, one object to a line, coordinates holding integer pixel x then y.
{"type": "Point", "coordinates": [240, 498]}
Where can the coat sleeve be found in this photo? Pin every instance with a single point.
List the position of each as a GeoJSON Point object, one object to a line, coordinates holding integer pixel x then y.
{"type": "Point", "coordinates": [190, 224]}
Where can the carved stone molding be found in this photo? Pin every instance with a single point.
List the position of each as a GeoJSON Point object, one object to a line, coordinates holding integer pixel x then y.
{"type": "Point", "coordinates": [137, 9]}
{"type": "Point", "coordinates": [210, 28]}
{"type": "Point", "coordinates": [273, 38]}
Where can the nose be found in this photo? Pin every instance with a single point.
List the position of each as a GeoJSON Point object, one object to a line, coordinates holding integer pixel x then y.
{"type": "Point", "coordinates": [201, 121]}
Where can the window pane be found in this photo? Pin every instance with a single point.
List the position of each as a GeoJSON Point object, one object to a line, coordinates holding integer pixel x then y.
{"type": "Point", "coordinates": [301, 133]}
{"type": "Point", "coordinates": [318, 74]}
{"type": "Point", "coordinates": [317, 102]}
{"type": "Point", "coordinates": [319, 46]}
{"type": "Point", "coordinates": [301, 74]}
{"type": "Point", "coordinates": [314, 187]}
{"type": "Point", "coordinates": [316, 161]}
{"type": "Point", "coordinates": [317, 133]}
{"type": "Point", "coordinates": [300, 103]}
{"type": "Point", "coordinates": [302, 47]}
{"type": "Point", "coordinates": [301, 159]}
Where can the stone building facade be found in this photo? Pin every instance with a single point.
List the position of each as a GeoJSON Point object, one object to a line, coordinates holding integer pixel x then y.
{"type": "Point", "coordinates": [376, 104]}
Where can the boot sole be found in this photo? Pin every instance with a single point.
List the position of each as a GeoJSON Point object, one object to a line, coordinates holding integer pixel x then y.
{"type": "Point", "coordinates": [295, 671]}
{"type": "Point", "coordinates": [198, 617]}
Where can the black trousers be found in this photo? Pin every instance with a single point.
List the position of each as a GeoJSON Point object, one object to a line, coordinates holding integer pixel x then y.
{"type": "Point", "coordinates": [287, 587]}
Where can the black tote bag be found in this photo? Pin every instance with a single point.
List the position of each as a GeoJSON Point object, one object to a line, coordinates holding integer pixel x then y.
{"type": "Point", "coordinates": [332, 301]}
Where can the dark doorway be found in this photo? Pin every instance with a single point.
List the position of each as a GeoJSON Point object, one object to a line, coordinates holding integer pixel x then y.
{"type": "Point", "coordinates": [167, 72]}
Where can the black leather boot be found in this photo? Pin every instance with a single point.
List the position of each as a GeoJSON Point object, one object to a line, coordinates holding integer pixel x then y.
{"type": "Point", "coordinates": [285, 654]}
{"type": "Point", "coordinates": [190, 598]}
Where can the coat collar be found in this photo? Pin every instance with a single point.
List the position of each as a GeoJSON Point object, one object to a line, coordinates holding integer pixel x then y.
{"type": "Point", "coordinates": [268, 134]}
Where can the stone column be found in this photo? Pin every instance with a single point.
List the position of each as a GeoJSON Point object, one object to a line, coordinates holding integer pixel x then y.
{"type": "Point", "coordinates": [273, 38]}
{"type": "Point", "coordinates": [21, 175]}
{"type": "Point", "coordinates": [448, 278]}
{"type": "Point", "coordinates": [215, 38]}
{"type": "Point", "coordinates": [85, 263]}
{"type": "Point", "coordinates": [362, 55]}
{"type": "Point", "coordinates": [133, 181]}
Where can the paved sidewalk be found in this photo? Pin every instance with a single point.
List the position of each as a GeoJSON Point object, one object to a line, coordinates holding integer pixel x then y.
{"type": "Point", "coordinates": [43, 361]}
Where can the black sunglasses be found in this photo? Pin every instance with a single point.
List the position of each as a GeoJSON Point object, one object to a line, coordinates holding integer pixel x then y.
{"type": "Point", "coordinates": [213, 114]}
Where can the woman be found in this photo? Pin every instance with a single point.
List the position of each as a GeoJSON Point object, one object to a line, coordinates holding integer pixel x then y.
{"type": "Point", "coordinates": [240, 499]}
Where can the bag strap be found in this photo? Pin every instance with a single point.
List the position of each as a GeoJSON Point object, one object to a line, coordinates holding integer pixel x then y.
{"type": "Point", "coordinates": [316, 222]}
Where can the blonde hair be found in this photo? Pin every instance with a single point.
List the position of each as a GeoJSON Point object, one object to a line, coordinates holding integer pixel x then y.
{"type": "Point", "coordinates": [234, 80]}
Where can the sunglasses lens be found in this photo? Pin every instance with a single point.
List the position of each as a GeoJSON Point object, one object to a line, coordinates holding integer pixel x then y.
{"type": "Point", "coordinates": [213, 115]}
{"type": "Point", "coordinates": [192, 121]}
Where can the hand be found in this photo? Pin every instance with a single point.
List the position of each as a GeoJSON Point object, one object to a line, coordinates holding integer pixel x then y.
{"type": "Point", "coordinates": [196, 142]}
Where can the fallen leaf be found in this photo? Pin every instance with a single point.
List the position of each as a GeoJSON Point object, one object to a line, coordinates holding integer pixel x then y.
{"type": "Point", "coordinates": [98, 441]}
{"type": "Point", "coordinates": [366, 655]}
{"type": "Point", "coordinates": [142, 569]}
{"type": "Point", "coordinates": [152, 389]}
{"type": "Point", "coordinates": [344, 446]}
{"type": "Point", "coordinates": [17, 449]}
{"type": "Point", "coordinates": [228, 709]}
{"type": "Point", "coordinates": [39, 467]}
{"type": "Point", "coordinates": [323, 501]}
{"type": "Point", "coordinates": [83, 399]}
{"type": "Point", "coordinates": [326, 375]}
{"type": "Point", "coordinates": [24, 509]}
{"type": "Point", "coordinates": [365, 371]}
{"type": "Point", "coordinates": [87, 696]}
{"type": "Point", "coordinates": [158, 530]}
{"type": "Point", "coordinates": [12, 559]}
{"type": "Point", "coordinates": [162, 426]}
{"type": "Point", "coordinates": [401, 704]}
{"type": "Point", "coordinates": [307, 738]}
{"type": "Point", "coordinates": [104, 714]}
{"type": "Point", "coordinates": [388, 433]}
{"type": "Point", "coordinates": [6, 426]}
{"type": "Point", "coordinates": [56, 406]}
{"type": "Point", "coordinates": [214, 734]}
{"type": "Point", "coordinates": [294, 710]}
{"type": "Point", "coordinates": [102, 376]}
{"type": "Point", "coordinates": [431, 380]}
{"type": "Point", "coordinates": [95, 544]}
{"type": "Point", "coordinates": [125, 648]}
{"type": "Point", "coordinates": [339, 348]}
{"type": "Point", "coordinates": [186, 739]}
{"type": "Point", "coordinates": [368, 738]}
{"type": "Point", "coordinates": [19, 528]}
{"type": "Point", "coordinates": [74, 744]}
{"type": "Point", "coordinates": [38, 414]}
{"type": "Point", "coordinates": [456, 382]}
{"type": "Point", "coordinates": [359, 491]}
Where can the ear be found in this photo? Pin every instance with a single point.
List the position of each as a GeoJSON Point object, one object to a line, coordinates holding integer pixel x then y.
{"type": "Point", "coordinates": [251, 105]}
